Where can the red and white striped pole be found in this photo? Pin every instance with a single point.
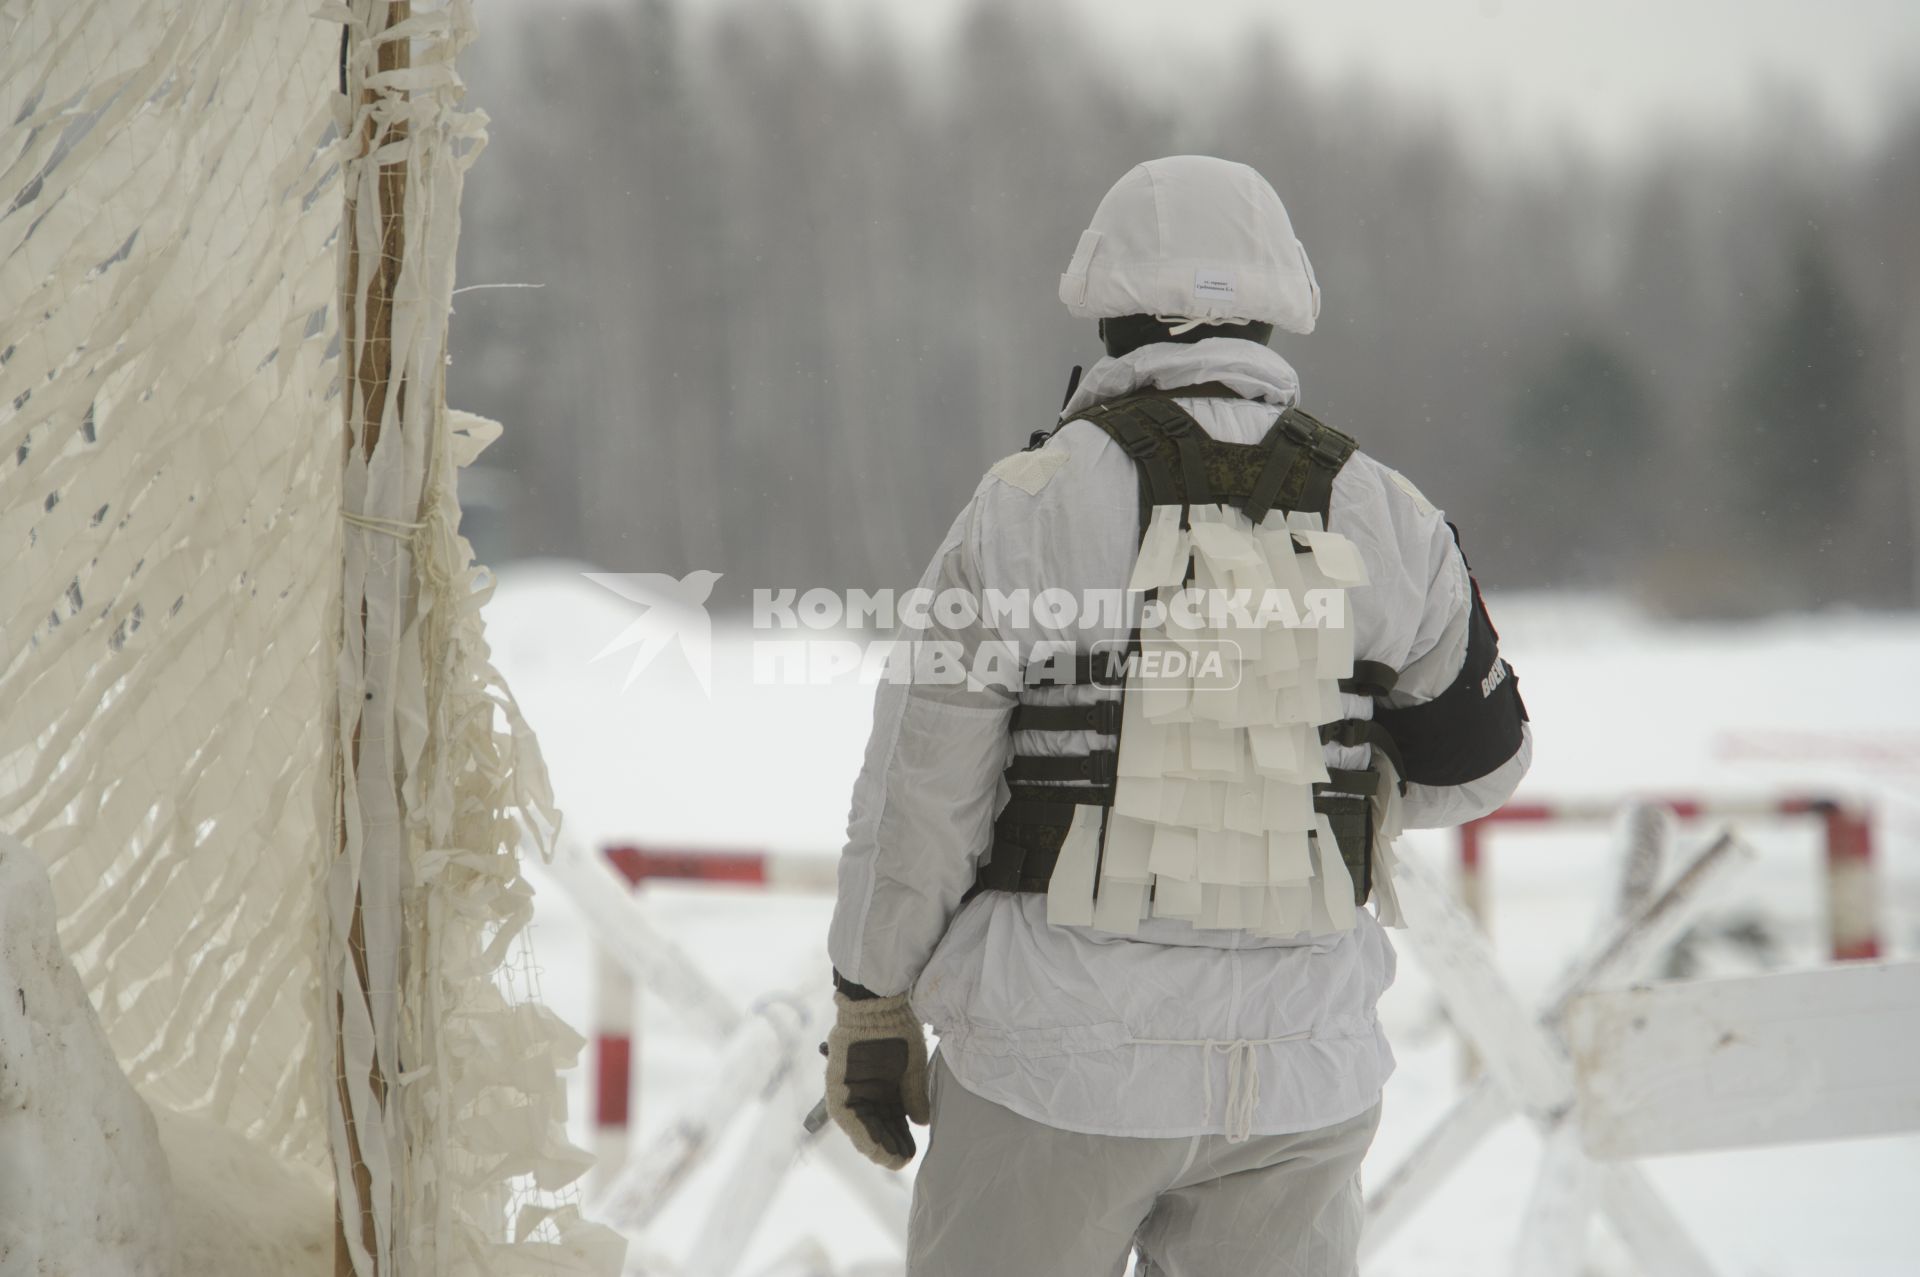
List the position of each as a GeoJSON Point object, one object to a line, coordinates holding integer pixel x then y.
{"type": "Point", "coordinates": [1851, 876]}
{"type": "Point", "coordinates": [616, 1002]}
{"type": "Point", "coordinates": [616, 1005]}
{"type": "Point", "coordinates": [1853, 898]}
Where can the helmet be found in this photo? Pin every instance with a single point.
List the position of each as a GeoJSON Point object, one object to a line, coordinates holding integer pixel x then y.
{"type": "Point", "coordinates": [1191, 236]}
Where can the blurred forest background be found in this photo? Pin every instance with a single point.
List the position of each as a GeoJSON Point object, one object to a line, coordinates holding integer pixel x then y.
{"type": "Point", "coordinates": [795, 297]}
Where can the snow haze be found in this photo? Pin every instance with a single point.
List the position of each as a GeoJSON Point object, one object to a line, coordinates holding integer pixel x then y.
{"type": "Point", "coordinates": [1612, 76]}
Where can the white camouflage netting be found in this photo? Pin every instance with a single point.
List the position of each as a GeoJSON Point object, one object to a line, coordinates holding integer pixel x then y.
{"type": "Point", "coordinates": [175, 669]}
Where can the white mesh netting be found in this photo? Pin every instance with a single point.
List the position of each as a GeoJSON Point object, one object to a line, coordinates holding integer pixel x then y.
{"type": "Point", "coordinates": [203, 608]}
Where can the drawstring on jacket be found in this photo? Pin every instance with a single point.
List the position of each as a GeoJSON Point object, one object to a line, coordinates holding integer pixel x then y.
{"type": "Point", "coordinates": [1243, 1077]}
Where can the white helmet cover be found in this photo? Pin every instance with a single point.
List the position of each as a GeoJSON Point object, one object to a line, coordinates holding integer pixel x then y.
{"type": "Point", "coordinates": [1196, 237]}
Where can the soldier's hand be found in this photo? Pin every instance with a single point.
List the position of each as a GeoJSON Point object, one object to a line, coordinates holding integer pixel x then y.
{"type": "Point", "coordinates": [877, 1076]}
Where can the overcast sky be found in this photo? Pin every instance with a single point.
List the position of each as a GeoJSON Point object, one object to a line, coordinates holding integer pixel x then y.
{"type": "Point", "coordinates": [1607, 73]}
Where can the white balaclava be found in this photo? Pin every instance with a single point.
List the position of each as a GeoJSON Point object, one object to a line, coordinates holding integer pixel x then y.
{"type": "Point", "coordinates": [1193, 238]}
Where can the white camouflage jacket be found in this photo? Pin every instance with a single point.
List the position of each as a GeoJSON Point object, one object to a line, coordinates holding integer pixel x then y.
{"type": "Point", "coordinates": [1176, 1031]}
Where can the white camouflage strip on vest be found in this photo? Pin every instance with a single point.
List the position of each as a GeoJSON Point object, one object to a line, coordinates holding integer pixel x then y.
{"type": "Point", "coordinates": [1213, 820]}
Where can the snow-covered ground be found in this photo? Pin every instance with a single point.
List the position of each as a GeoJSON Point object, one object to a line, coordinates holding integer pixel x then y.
{"type": "Point", "coordinates": [1621, 705]}
{"type": "Point", "coordinates": [94, 1182]}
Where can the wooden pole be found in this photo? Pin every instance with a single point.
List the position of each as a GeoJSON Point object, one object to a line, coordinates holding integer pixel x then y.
{"type": "Point", "coordinates": [367, 359]}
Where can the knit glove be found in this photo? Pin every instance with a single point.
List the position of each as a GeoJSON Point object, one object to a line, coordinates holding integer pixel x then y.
{"type": "Point", "coordinates": [877, 1076]}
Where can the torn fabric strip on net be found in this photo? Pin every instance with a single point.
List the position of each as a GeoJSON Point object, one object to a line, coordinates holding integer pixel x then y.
{"type": "Point", "coordinates": [1213, 820]}
{"type": "Point", "coordinates": [447, 1091]}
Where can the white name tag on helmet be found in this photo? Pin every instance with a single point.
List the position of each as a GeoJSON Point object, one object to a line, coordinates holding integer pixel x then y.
{"type": "Point", "coordinates": [1213, 285]}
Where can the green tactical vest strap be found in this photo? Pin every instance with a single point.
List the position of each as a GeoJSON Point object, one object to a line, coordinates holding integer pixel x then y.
{"type": "Point", "coordinates": [1366, 731]}
{"type": "Point", "coordinates": [1345, 780]}
{"type": "Point", "coordinates": [1370, 678]}
{"type": "Point", "coordinates": [1028, 834]}
{"type": "Point", "coordinates": [1346, 799]}
{"type": "Point", "coordinates": [1178, 425]}
{"type": "Point", "coordinates": [1143, 425]}
{"type": "Point", "coordinates": [1193, 469]}
{"type": "Point", "coordinates": [1135, 437]}
{"type": "Point", "coordinates": [1099, 767]}
{"type": "Point", "coordinates": [1300, 476]}
{"type": "Point", "coordinates": [1177, 460]}
{"type": "Point", "coordinates": [1351, 819]}
{"type": "Point", "coordinates": [1102, 716]}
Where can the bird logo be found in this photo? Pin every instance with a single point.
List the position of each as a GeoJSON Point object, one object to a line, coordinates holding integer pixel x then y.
{"type": "Point", "coordinates": [675, 612]}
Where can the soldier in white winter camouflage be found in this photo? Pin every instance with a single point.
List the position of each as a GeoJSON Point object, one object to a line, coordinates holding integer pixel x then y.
{"type": "Point", "coordinates": [1144, 910]}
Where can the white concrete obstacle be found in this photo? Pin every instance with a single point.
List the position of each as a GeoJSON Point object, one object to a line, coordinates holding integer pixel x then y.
{"type": "Point", "coordinates": [1827, 1054]}
{"type": "Point", "coordinates": [1608, 1074]}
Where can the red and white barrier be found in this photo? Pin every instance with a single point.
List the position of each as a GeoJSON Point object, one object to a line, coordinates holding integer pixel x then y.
{"type": "Point", "coordinates": [616, 1003]}
{"type": "Point", "coordinates": [768, 870]}
{"type": "Point", "coordinates": [1852, 887]}
{"type": "Point", "coordinates": [764, 1054]}
{"type": "Point", "coordinates": [764, 1061]}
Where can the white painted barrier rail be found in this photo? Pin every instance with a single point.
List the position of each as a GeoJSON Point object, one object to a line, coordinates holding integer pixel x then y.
{"type": "Point", "coordinates": [1607, 1070]}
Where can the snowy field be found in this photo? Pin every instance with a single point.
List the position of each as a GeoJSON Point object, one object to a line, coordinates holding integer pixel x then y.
{"type": "Point", "coordinates": [1804, 705]}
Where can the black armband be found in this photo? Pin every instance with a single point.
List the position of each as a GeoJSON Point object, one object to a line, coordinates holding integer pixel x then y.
{"type": "Point", "coordinates": [1471, 728]}
{"type": "Point", "coordinates": [854, 992]}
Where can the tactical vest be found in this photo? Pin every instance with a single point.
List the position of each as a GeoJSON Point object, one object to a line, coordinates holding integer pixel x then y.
{"type": "Point", "coordinates": [1179, 465]}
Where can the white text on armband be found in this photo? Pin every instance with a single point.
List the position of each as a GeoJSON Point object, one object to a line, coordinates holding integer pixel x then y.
{"type": "Point", "coordinates": [1496, 676]}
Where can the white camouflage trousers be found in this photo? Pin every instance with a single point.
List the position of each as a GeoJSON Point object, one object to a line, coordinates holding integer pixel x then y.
{"type": "Point", "coordinates": [1000, 1195]}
